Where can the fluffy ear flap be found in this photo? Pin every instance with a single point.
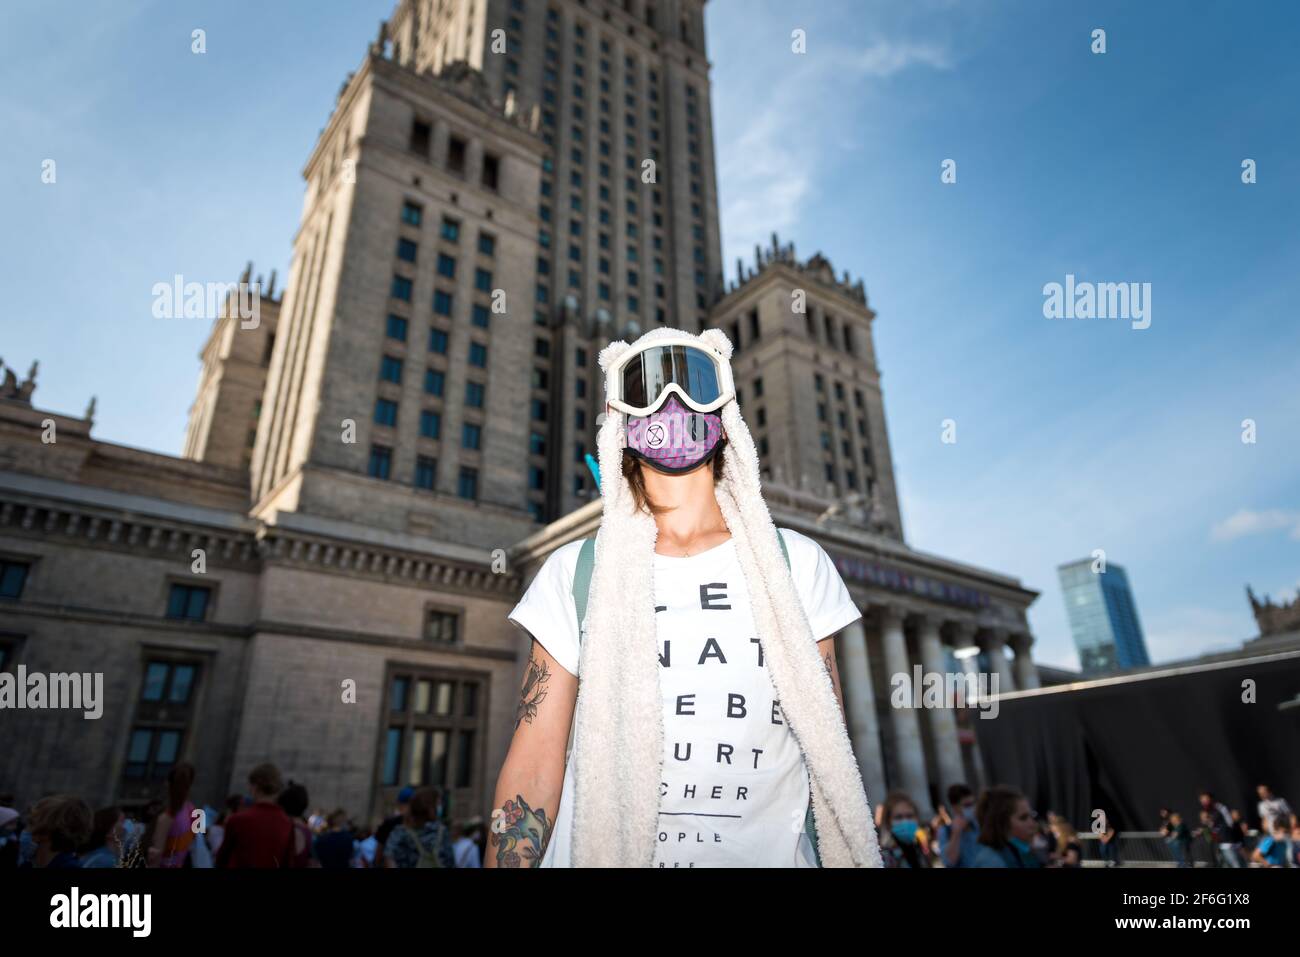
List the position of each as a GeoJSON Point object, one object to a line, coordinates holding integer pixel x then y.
{"type": "Point", "coordinates": [718, 340]}
{"type": "Point", "coordinates": [610, 353]}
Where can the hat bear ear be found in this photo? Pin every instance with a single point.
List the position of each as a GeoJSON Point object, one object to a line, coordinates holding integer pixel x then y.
{"type": "Point", "coordinates": [610, 353]}
{"type": "Point", "coordinates": [718, 340]}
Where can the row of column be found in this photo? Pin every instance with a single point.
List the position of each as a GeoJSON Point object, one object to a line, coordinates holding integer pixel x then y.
{"type": "Point", "coordinates": [905, 730]}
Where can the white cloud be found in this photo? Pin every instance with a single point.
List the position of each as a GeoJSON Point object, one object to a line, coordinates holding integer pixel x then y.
{"type": "Point", "coordinates": [1247, 522]}
{"type": "Point", "coordinates": [885, 58]}
{"type": "Point", "coordinates": [768, 166]}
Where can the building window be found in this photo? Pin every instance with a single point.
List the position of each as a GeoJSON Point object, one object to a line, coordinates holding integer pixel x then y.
{"type": "Point", "coordinates": [438, 340]}
{"type": "Point", "coordinates": [471, 435]}
{"type": "Point", "coordinates": [381, 461]}
{"type": "Point", "coordinates": [158, 731]}
{"type": "Point", "coordinates": [487, 244]}
{"type": "Point", "coordinates": [491, 171]}
{"type": "Point", "coordinates": [188, 602]}
{"type": "Point", "coordinates": [430, 424]}
{"type": "Point", "coordinates": [580, 388]}
{"type": "Point", "coordinates": [442, 302]}
{"type": "Point", "coordinates": [456, 155]}
{"type": "Point", "coordinates": [536, 443]}
{"type": "Point", "coordinates": [433, 380]}
{"type": "Point", "coordinates": [401, 288]}
{"type": "Point", "coordinates": [446, 266]}
{"type": "Point", "coordinates": [390, 369]}
{"type": "Point", "coordinates": [450, 229]}
{"type": "Point", "coordinates": [538, 409]}
{"type": "Point", "coordinates": [420, 135]}
{"type": "Point", "coordinates": [396, 328]}
{"type": "Point", "coordinates": [406, 249]}
{"type": "Point", "coordinates": [434, 733]}
{"type": "Point", "coordinates": [478, 354]}
{"type": "Point", "coordinates": [482, 280]}
{"type": "Point", "coordinates": [467, 483]}
{"type": "Point", "coordinates": [474, 393]}
{"type": "Point", "coordinates": [13, 576]}
{"type": "Point", "coordinates": [385, 412]}
{"type": "Point", "coordinates": [537, 511]}
{"type": "Point", "coordinates": [425, 470]}
{"type": "Point", "coordinates": [479, 316]}
{"type": "Point", "coordinates": [580, 357]}
{"type": "Point", "coordinates": [758, 386]}
{"type": "Point", "coordinates": [542, 348]}
{"type": "Point", "coordinates": [441, 626]}
{"type": "Point", "coordinates": [412, 213]}
{"type": "Point", "coordinates": [536, 477]}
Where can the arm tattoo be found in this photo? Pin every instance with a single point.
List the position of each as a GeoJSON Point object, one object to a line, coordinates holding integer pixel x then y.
{"type": "Point", "coordinates": [534, 690]}
{"type": "Point", "coordinates": [520, 833]}
{"type": "Point", "coordinates": [835, 685]}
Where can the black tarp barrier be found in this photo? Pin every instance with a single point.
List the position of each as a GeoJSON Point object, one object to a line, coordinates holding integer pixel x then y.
{"type": "Point", "coordinates": [1132, 747]}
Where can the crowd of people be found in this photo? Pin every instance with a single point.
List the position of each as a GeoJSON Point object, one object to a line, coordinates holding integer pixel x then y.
{"type": "Point", "coordinates": [269, 827]}
{"type": "Point", "coordinates": [1001, 829]}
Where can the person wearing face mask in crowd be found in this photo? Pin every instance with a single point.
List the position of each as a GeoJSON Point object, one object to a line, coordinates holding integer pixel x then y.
{"type": "Point", "coordinates": [959, 836]}
{"type": "Point", "coordinates": [1007, 828]}
{"type": "Point", "coordinates": [696, 625]}
{"type": "Point", "coordinates": [900, 844]}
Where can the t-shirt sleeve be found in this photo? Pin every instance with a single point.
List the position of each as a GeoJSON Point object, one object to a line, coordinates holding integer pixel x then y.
{"type": "Point", "coordinates": [547, 611]}
{"type": "Point", "coordinates": [825, 597]}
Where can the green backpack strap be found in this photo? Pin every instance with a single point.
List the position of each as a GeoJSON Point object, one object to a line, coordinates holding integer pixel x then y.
{"type": "Point", "coordinates": [582, 580]}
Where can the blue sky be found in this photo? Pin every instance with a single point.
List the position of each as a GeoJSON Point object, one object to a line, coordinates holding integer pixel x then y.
{"type": "Point", "coordinates": [1119, 167]}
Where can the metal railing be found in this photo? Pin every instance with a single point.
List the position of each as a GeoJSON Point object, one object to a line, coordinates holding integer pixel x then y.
{"type": "Point", "coordinates": [1150, 849]}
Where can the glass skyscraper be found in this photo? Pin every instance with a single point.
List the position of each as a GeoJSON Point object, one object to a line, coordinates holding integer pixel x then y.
{"type": "Point", "coordinates": [1103, 617]}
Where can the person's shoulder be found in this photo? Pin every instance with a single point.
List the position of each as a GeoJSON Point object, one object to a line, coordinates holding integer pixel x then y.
{"type": "Point", "coordinates": [800, 546]}
{"type": "Point", "coordinates": [985, 856]}
{"type": "Point", "coordinates": [563, 561]}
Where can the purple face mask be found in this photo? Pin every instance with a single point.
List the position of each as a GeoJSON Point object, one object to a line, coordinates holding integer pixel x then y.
{"type": "Point", "coordinates": [674, 438]}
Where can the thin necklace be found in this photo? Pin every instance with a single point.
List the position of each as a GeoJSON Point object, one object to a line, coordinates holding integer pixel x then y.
{"type": "Point", "coordinates": [687, 555]}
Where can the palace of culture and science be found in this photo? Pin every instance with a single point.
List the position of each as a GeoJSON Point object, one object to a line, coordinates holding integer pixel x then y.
{"type": "Point", "coordinates": [374, 468]}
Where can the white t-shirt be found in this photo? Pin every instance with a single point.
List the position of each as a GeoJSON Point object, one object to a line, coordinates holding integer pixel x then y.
{"type": "Point", "coordinates": [735, 789]}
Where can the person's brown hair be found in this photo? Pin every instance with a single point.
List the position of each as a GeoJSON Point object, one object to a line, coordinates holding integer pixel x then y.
{"type": "Point", "coordinates": [266, 779]}
{"type": "Point", "coordinates": [102, 827]}
{"type": "Point", "coordinates": [892, 799]}
{"type": "Point", "coordinates": [424, 805]}
{"type": "Point", "coordinates": [993, 811]}
{"type": "Point", "coordinates": [65, 821]}
{"type": "Point", "coordinates": [636, 480]}
{"type": "Point", "coordinates": [179, 781]}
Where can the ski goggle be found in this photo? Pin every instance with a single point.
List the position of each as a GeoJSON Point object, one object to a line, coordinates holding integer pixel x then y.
{"type": "Point", "coordinates": [639, 382]}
